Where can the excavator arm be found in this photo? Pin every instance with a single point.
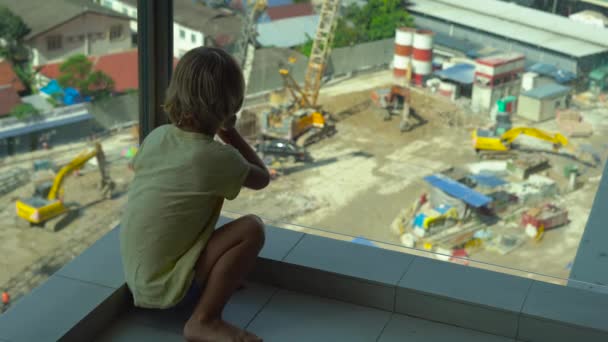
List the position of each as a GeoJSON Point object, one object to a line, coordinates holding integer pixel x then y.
{"type": "Point", "coordinates": [556, 139]}
{"type": "Point", "coordinates": [77, 163]}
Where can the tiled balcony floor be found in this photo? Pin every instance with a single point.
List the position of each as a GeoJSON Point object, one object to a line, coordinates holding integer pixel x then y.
{"type": "Point", "coordinates": [280, 315]}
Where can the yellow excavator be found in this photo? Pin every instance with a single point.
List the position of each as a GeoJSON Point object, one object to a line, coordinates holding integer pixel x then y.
{"type": "Point", "coordinates": [47, 202]}
{"type": "Point", "coordinates": [487, 144]}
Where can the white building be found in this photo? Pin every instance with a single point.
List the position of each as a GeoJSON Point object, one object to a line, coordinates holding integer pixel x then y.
{"type": "Point", "coordinates": [496, 77]}
{"type": "Point", "coordinates": [540, 104]}
{"type": "Point", "coordinates": [184, 37]}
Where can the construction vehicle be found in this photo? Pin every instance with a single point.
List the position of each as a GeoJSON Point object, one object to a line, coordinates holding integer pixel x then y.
{"type": "Point", "coordinates": [47, 202]}
{"type": "Point", "coordinates": [488, 144]}
{"type": "Point", "coordinates": [302, 121]}
{"type": "Point", "coordinates": [299, 121]}
{"type": "Point", "coordinates": [396, 100]}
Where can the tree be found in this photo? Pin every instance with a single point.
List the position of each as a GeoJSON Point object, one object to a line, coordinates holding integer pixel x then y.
{"type": "Point", "coordinates": [77, 72]}
{"type": "Point", "coordinates": [377, 20]}
{"type": "Point", "coordinates": [24, 111]}
{"type": "Point", "coordinates": [12, 32]}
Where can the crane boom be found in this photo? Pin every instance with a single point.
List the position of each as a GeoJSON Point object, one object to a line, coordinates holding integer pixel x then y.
{"type": "Point", "coordinates": [320, 49]}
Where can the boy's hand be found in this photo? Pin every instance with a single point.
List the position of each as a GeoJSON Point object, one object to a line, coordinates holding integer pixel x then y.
{"type": "Point", "coordinates": [229, 123]}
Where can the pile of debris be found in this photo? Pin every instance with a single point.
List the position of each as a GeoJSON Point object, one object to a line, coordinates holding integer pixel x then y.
{"type": "Point", "coordinates": [571, 123]}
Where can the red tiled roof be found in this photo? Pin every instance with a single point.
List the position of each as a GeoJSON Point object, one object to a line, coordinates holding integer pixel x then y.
{"type": "Point", "coordinates": [122, 67]}
{"type": "Point", "coordinates": [8, 76]}
{"type": "Point", "coordinates": [8, 99]}
{"type": "Point", "coordinates": [289, 11]}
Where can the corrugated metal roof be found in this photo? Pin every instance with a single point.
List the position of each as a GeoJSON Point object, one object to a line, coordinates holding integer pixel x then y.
{"type": "Point", "coordinates": [547, 90]}
{"type": "Point", "coordinates": [519, 23]}
{"type": "Point", "coordinates": [287, 32]}
{"type": "Point", "coordinates": [458, 190]}
{"type": "Point", "coordinates": [461, 73]}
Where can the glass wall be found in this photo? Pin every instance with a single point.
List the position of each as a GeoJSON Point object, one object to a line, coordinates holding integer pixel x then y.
{"type": "Point", "coordinates": [412, 137]}
{"type": "Point", "coordinates": [66, 82]}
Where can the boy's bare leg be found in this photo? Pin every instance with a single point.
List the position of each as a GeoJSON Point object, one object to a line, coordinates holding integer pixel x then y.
{"type": "Point", "coordinates": [228, 257]}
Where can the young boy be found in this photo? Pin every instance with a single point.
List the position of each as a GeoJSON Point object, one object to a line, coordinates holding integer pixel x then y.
{"type": "Point", "coordinates": [182, 176]}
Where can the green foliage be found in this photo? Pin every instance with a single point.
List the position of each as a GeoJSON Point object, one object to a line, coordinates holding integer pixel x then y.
{"type": "Point", "coordinates": [377, 20]}
{"type": "Point", "coordinates": [54, 100]}
{"type": "Point", "coordinates": [305, 48]}
{"type": "Point", "coordinates": [77, 72]}
{"type": "Point", "coordinates": [24, 111]}
{"type": "Point", "coordinates": [12, 32]}
{"type": "Point", "coordinates": [26, 75]}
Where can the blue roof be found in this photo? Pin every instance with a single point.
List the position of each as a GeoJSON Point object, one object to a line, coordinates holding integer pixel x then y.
{"type": "Point", "coordinates": [547, 90]}
{"type": "Point", "coordinates": [461, 73]}
{"type": "Point", "coordinates": [488, 180]}
{"type": "Point", "coordinates": [288, 32]}
{"type": "Point", "coordinates": [561, 76]}
{"type": "Point", "coordinates": [458, 190]}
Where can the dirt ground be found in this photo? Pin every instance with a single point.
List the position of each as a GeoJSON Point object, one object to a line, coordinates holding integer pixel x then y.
{"type": "Point", "coordinates": [359, 180]}
{"type": "Point", "coordinates": [364, 175]}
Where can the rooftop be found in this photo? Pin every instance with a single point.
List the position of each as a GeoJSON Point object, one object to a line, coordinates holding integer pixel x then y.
{"type": "Point", "coordinates": [287, 32]}
{"type": "Point", "coordinates": [462, 73]}
{"type": "Point", "coordinates": [500, 59]}
{"type": "Point", "coordinates": [527, 25]}
{"type": "Point", "coordinates": [547, 91]}
{"type": "Point", "coordinates": [8, 76]}
{"type": "Point", "coordinates": [41, 16]}
{"type": "Point", "coordinates": [220, 24]}
{"type": "Point", "coordinates": [122, 67]}
{"type": "Point", "coordinates": [290, 11]}
{"type": "Point", "coordinates": [8, 99]}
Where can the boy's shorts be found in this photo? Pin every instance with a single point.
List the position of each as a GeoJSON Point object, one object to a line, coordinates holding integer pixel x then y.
{"type": "Point", "coordinates": [192, 296]}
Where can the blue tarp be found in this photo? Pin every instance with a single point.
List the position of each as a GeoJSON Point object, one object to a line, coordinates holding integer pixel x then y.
{"type": "Point", "coordinates": [458, 190]}
{"type": "Point", "coordinates": [560, 76]}
{"type": "Point", "coordinates": [52, 88]}
{"type": "Point", "coordinates": [462, 73]}
{"type": "Point", "coordinates": [488, 180]}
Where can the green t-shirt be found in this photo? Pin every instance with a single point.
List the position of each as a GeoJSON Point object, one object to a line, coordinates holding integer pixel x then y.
{"type": "Point", "coordinates": [181, 180]}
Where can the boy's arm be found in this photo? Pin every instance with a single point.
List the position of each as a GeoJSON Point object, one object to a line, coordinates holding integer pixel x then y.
{"type": "Point", "coordinates": [258, 177]}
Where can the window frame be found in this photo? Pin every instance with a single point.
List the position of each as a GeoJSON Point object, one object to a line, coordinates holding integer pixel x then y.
{"type": "Point", "coordinates": [113, 29]}
{"type": "Point", "coordinates": [54, 42]}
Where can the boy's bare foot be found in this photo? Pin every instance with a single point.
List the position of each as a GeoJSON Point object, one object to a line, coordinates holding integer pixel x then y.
{"type": "Point", "coordinates": [216, 331]}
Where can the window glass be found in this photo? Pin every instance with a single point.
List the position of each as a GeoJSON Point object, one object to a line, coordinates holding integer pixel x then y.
{"type": "Point", "coordinates": [61, 91]}
{"type": "Point", "coordinates": [182, 34]}
{"type": "Point", "coordinates": [490, 116]}
{"type": "Point", "coordinates": [193, 38]}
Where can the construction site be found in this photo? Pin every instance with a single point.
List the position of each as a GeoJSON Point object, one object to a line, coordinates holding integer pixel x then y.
{"type": "Point", "coordinates": [390, 156]}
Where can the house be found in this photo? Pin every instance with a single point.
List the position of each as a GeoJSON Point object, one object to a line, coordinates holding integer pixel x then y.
{"type": "Point", "coordinates": [194, 24]}
{"type": "Point", "coordinates": [540, 104]}
{"type": "Point", "coordinates": [9, 77]}
{"type": "Point", "coordinates": [287, 11]}
{"type": "Point", "coordinates": [63, 28]}
{"type": "Point", "coordinates": [122, 67]}
{"type": "Point", "coordinates": [8, 99]}
{"type": "Point", "coordinates": [288, 32]}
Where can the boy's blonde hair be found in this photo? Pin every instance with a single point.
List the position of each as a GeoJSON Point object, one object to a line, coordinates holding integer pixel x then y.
{"type": "Point", "coordinates": [207, 86]}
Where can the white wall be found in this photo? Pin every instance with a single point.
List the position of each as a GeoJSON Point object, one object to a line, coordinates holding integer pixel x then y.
{"type": "Point", "coordinates": [185, 39]}
{"type": "Point", "coordinates": [87, 34]}
{"type": "Point", "coordinates": [181, 43]}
